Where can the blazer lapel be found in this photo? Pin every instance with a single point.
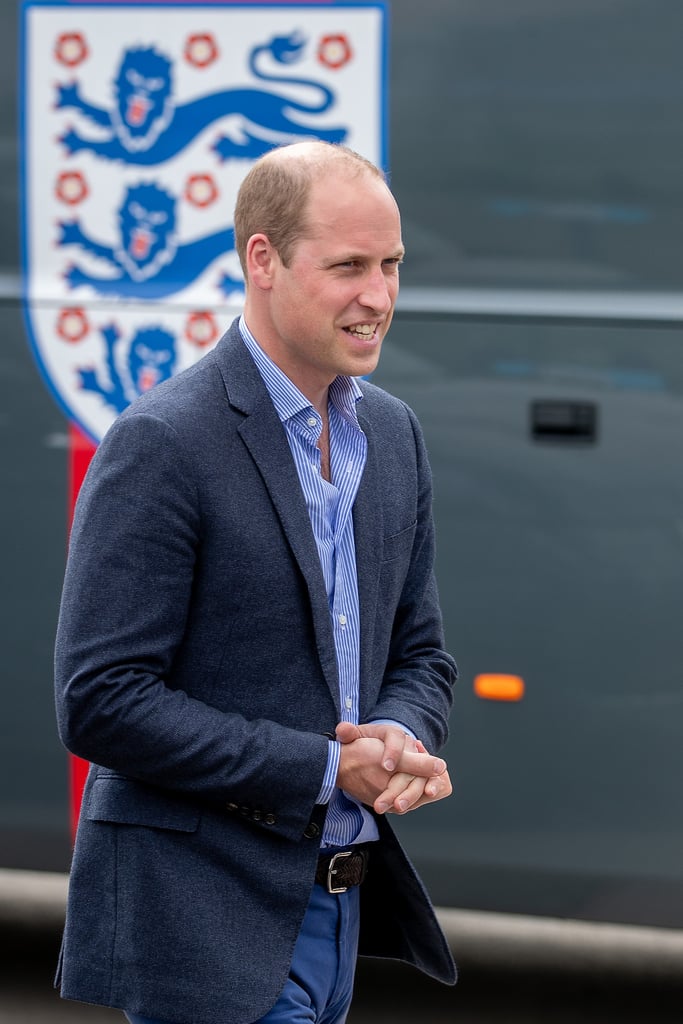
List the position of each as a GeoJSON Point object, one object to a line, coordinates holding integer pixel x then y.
{"type": "Point", "coordinates": [265, 438]}
{"type": "Point", "coordinates": [368, 528]}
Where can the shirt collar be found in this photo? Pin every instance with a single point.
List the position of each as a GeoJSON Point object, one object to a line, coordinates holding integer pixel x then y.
{"type": "Point", "coordinates": [344, 391]}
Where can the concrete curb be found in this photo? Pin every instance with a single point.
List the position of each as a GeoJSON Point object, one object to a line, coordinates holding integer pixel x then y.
{"type": "Point", "coordinates": [32, 899]}
{"type": "Point", "coordinates": [514, 942]}
{"type": "Point", "coordinates": [36, 900]}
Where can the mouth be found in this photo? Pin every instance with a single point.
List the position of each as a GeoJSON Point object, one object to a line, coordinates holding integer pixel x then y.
{"type": "Point", "coordinates": [137, 110]}
{"type": "Point", "coordinates": [141, 242]}
{"type": "Point", "coordinates": [362, 332]}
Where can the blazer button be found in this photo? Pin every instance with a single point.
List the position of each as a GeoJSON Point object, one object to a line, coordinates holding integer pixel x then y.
{"type": "Point", "coordinates": [312, 831]}
{"type": "Point", "coordinates": [231, 807]}
{"type": "Point", "coordinates": [269, 819]}
{"type": "Point", "coordinates": [255, 815]}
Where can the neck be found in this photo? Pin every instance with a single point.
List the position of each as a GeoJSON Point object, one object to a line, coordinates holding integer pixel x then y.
{"type": "Point", "coordinates": [315, 390]}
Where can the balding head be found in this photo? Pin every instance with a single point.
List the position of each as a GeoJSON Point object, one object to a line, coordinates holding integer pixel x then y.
{"type": "Point", "coordinates": [273, 198]}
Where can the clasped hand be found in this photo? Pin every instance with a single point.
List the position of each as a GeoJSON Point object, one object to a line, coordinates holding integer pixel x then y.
{"type": "Point", "coordinates": [382, 766]}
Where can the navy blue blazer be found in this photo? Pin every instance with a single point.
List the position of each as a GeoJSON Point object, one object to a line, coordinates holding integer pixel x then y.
{"type": "Point", "coordinates": [195, 668]}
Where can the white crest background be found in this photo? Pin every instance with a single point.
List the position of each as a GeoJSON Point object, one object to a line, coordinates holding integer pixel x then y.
{"type": "Point", "coordinates": [56, 314]}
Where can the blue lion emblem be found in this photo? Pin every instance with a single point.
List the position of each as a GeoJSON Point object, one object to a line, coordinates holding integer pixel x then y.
{"type": "Point", "coordinates": [151, 359]}
{"type": "Point", "coordinates": [149, 262]}
{"type": "Point", "coordinates": [145, 127]}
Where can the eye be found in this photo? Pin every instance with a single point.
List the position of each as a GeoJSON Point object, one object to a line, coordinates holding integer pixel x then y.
{"type": "Point", "coordinates": [154, 84]}
{"type": "Point", "coordinates": [137, 211]}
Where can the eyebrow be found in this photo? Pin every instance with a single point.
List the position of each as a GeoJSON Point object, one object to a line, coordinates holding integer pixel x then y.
{"type": "Point", "coordinates": [348, 257]}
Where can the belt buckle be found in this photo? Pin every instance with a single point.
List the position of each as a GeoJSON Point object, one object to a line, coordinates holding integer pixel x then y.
{"type": "Point", "coordinates": [332, 870]}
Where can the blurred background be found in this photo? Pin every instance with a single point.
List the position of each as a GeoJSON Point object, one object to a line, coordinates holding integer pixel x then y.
{"type": "Point", "coordinates": [536, 149]}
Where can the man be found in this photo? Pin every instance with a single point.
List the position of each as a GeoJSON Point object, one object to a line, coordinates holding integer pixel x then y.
{"type": "Point", "coordinates": [250, 647]}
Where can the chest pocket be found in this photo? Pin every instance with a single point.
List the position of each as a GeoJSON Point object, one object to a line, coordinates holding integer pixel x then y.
{"type": "Point", "coordinates": [399, 545]}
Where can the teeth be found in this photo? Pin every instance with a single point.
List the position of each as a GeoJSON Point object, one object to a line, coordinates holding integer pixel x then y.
{"type": "Point", "coordinates": [362, 330]}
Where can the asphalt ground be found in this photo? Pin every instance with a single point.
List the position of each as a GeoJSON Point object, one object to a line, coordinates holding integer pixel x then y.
{"type": "Point", "coordinates": [385, 993]}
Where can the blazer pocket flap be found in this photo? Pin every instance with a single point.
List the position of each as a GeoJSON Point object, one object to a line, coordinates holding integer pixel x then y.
{"type": "Point", "coordinates": [128, 802]}
{"type": "Point", "coordinates": [399, 544]}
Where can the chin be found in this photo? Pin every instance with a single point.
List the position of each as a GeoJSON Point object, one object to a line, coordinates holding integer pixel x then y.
{"type": "Point", "coordinates": [362, 368]}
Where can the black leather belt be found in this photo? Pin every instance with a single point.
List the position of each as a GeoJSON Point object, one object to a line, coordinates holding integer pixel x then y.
{"type": "Point", "coordinates": [341, 871]}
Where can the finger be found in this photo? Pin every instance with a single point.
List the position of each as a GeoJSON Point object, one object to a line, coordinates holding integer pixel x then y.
{"type": "Point", "coordinates": [439, 792]}
{"type": "Point", "coordinates": [411, 797]}
{"type": "Point", "coordinates": [393, 738]}
{"type": "Point", "coordinates": [438, 788]}
{"type": "Point", "coordinates": [396, 786]}
{"type": "Point", "coordinates": [394, 746]}
{"type": "Point", "coordinates": [421, 764]}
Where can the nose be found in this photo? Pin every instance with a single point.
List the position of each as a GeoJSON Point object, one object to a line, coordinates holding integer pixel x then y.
{"type": "Point", "coordinates": [378, 292]}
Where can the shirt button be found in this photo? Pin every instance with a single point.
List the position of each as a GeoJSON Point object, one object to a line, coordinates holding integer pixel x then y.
{"type": "Point", "coordinates": [348, 702]}
{"type": "Point", "coordinates": [312, 421]}
{"type": "Point", "coordinates": [342, 620]}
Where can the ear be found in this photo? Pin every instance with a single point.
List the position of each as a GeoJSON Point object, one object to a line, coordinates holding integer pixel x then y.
{"type": "Point", "coordinates": [261, 260]}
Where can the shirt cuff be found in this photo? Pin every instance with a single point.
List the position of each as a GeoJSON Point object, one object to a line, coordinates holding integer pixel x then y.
{"type": "Point", "coordinates": [330, 777]}
{"type": "Point", "coordinates": [399, 725]}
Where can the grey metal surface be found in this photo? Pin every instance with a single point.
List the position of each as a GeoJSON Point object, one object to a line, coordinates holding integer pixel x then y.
{"type": "Point", "coordinates": [535, 151]}
{"type": "Point", "coordinates": [510, 304]}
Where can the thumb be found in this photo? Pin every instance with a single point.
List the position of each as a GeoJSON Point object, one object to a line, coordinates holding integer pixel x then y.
{"type": "Point", "coordinates": [347, 732]}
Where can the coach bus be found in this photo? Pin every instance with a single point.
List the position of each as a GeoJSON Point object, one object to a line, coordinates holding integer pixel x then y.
{"type": "Point", "coordinates": [536, 150]}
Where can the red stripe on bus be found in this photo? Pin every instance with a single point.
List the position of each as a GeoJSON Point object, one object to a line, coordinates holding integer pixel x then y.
{"type": "Point", "coordinates": [80, 452]}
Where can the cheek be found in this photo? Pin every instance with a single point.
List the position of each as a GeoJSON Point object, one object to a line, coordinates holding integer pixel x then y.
{"type": "Point", "coordinates": [390, 315]}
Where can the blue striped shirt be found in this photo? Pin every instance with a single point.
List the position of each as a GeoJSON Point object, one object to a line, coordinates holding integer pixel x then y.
{"type": "Point", "coordinates": [330, 507]}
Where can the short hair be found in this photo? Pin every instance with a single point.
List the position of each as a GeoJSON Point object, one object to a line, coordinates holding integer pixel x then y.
{"type": "Point", "coordinates": [273, 197]}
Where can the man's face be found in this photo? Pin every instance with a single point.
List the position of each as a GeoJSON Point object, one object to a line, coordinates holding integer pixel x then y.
{"type": "Point", "coordinates": [332, 306]}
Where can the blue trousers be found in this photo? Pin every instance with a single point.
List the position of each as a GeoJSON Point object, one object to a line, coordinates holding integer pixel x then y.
{"type": "Point", "coordinates": [320, 983]}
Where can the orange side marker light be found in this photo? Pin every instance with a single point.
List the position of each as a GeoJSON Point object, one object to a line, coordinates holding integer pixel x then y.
{"type": "Point", "coordinates": [498, 686]}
